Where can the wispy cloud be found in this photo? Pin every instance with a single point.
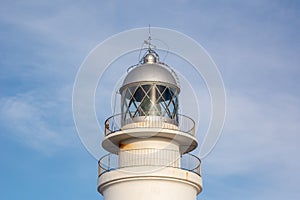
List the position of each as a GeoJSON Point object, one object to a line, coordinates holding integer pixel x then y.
{"type": "Point", "coordinates": [30, 121]}
{"type": "Point", "coordinates": [64, 25]}
{"type": "Point", "coordinates": [260, 139]}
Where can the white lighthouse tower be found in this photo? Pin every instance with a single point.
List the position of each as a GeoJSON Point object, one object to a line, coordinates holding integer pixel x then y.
{"type": "Point", "coordinates": [149, 141]}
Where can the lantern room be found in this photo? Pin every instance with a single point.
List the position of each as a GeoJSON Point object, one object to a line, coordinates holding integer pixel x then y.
{"type": "Point", "coordinates": [150, 92]}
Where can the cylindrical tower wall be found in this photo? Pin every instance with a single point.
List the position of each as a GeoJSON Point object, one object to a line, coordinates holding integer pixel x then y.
{"type": "Point", "coordinates": [146, 183]}
{"type": "Point", "coordinates": [152, 151]}
{"type": "Point", "coordinates": [149, 190]}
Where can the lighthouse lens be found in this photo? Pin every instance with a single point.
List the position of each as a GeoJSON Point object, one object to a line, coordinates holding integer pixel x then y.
{"type": "Point", "coordinates": [150, 99]}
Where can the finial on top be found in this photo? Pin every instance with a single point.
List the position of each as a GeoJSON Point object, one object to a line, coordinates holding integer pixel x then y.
{"type": "Point", "coordinates": [151, 56]}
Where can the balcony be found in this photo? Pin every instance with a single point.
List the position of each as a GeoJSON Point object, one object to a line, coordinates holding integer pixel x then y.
{"type": "Point", "coordinates": [183, 123]}
{"type": "Point", "coordinates": [149, 157]}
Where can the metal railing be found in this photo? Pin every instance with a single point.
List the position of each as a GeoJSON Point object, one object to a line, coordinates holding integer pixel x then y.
{"type": "Point", "coordinates": [115, 123]}
{"type": "Point", "coordinates": [149, 157]}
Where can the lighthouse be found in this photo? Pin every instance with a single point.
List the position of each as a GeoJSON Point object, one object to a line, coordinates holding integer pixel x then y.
{"type": "Point", "coordinates": [149, 142]}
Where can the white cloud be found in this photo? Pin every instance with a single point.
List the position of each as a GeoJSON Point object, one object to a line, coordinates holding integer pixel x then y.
{"type": "Point", "coordinates": [28, 119]}
{"type": "Point", "coordinates": [260, 140]}
{"type": "Point", "coordinates": [67, 23]}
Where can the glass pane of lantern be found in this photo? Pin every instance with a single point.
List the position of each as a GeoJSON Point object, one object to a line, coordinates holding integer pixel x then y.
{"type": "Point", "coordinates": [132, 106]}
{"type": "Point", "coordinates": [171, 108]}
{"type": "Point", "coordinates": [146, 87]}
{"type": "Point", "coordinates": [127, 93]}
{"type": "Point", "coordinates": [131, 91]}
{"type": "Point", "coordinates": [139, 94]}
{"type": "Point", "coordinates": [148, 107]}
{"type": "Point", "coordinates": [175, 105]}
{"type": "Point", "coordinates": [159, 97]}
{"type": "Point", "coordinates": [125, 105]}
{"type": "Point", "coordinates": [163, 90]}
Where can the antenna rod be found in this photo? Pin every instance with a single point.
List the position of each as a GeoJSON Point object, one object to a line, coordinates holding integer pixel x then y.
{"type": "Point", "coordinates": [149, 39]}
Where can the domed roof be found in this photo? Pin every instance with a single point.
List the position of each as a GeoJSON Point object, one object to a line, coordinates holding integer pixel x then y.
{"type": "Point", "coordinates": [150, 72]}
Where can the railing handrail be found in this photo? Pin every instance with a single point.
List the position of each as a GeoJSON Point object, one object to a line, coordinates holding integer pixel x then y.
{"type": "Point", "coordinates": [185, 124]}
{"type": "Point", "coordinates": [110, 161]}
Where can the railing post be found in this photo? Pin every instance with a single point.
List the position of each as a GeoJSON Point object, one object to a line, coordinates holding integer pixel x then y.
{"type": "Point", "coordinates": [108, 164]}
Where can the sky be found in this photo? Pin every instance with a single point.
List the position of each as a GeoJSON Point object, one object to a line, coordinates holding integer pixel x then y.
{"type": "Point", "coordinates": [255, 45]}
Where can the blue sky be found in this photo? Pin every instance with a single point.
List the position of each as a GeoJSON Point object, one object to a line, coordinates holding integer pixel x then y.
{"type": "Point", "coordinates": [255, 45]}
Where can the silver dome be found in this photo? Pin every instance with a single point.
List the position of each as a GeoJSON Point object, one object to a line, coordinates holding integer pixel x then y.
{"type": "Point", "coordinates": [150, 72]}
